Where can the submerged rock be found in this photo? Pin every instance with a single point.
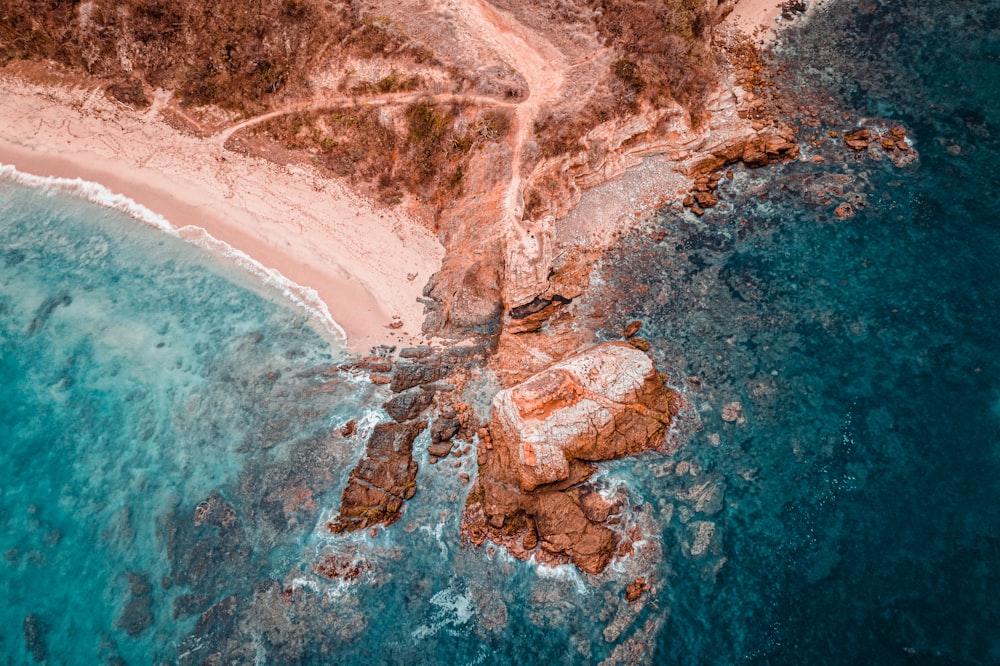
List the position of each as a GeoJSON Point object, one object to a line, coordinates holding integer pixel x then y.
{"type": "Point", "coordinates": [34, 637]}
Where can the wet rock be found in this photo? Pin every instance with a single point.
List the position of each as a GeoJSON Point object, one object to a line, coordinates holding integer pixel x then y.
{"type": "Point", "coordinates": [858, 139]}
{"type": "Point", "coordinates": [34, 637]}
{"type": "Point", "coordinates": [635, 589]}
{"type": "Point", "coordinates": [368, 364]}
{"type": "Point", "coordinates": [564, 529]}
{"type": "Point", "coordinates": [632, 328]}
{"type": "Point", "coordinates": [444, 429]}
{"type": "Point", "coordinates": [336, 565]}
{"type": "Point", "coordinates": [844, 211]}
{"type": "Point", "coordinates": [349, 428]}
{"type": "Point", "coordinates": [408, 404]}
{"type": "Point", "coordinates": [408, 375]}
{"type": "Point", "coordinates": [382, 480]}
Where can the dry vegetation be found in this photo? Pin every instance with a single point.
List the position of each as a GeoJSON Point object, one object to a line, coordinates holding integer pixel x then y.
{"type": "Point", "coordinates": [421, 148]}
{"type": "Point", "coordinates": [236, 55]}
{"type": "Point", "coordinates": [254, 56]}
{"type": "Point", "coordinates": [662, 52]}
{"type": "Point", "coordinates": [664, 48]}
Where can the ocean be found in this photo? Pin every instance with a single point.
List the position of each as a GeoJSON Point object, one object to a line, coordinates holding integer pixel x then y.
{"type": "Point", "coordinates": [170, 425]}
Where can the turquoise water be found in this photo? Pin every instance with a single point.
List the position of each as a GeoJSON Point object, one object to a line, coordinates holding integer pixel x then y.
{"type": "Point", "coordinates": [169, 428]}
{"type": "Point", "coordinates": [137, 376]}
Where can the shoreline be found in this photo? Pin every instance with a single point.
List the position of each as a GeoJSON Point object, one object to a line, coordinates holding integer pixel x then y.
{"type": "Point", "coordinates": [365, 265]}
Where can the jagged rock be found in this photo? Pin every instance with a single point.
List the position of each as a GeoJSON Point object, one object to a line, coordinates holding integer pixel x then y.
{"type": "Point", "coordinates": [642, 344]}
{"type": "Point", "coordinates": [408, 375]}
{"type": "Point", "coordinates": [532, 316]}
{"type": "Point", "coordinates": [635, 589]}
{"type": "Point", "coordinates": [422, 351]}
{"type": "Point", "coordinates": [632, 328]}
{"type": "Point", "coordinates": [706, 199]}
{"type": "Point", "coordinates": [754, 157]}
{"type": "Point", "coordinates": [408, 404]}
{"type": "Point", "coordinates": [383, 478]}
{"type": "Point", "coordinates": [564, 529]}
{"type": "Point", "coordinates": [858, 139]}
{"type": "Point", "coordinates": [442, 431]}
{"type": "Point", "coordinates": [844, 210]}
{"type": "Point", "coordinates": [601, 404]}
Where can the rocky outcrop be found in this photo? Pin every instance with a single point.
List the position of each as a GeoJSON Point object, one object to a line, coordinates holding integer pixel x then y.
{"type": "Point", "coordinates": [382, 480]}
{"type": "Point", "coordinates": [602, 404]}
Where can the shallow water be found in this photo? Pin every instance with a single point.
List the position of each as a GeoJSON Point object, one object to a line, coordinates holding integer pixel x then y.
{"type": "Point", "coordinates": [137, 375]}
{"type": "Point", "coordinates": [170, 436]}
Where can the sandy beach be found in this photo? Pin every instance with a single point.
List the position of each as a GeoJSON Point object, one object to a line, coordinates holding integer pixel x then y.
{"type": "Point", "coordinates": [368, 266]}
{"type": "Point", "coordinates": [756, 18]}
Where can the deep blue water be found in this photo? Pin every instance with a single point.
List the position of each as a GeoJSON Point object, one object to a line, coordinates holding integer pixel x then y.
{"type": "Point", "coordinates": [863, 492]}
{"type": "Point", "coordinates": [852, 518]}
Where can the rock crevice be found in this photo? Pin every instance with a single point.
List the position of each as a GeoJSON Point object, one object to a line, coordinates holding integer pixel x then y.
{"type": "Point", "coordinates": [532, 494]}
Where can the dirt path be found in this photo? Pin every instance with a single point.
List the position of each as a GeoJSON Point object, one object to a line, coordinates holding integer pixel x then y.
{"type": "Point", "coordinates": [544, 68]}
{"type": "Point", "coordinates": [541, 64]}
{"type": "Point", "coordinates": [341, 101]}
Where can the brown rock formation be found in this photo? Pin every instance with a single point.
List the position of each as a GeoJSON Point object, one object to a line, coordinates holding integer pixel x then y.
{"type": "Point", "coordinates": [383, 478]}
{"type": "Point", "coordinates": [604, 403]}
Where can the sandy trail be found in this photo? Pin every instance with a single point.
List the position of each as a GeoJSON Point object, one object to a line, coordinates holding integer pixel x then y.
{"type": "Point", "coordinates": [544, 68]}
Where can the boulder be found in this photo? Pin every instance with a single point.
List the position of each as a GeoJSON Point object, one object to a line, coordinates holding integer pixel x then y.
{"type": "Point", "coordinates": [532, 494]}
{"type": "Point", "coordinates": [407, 405]}
{"type": "Point", "coordinates": [602, 404]}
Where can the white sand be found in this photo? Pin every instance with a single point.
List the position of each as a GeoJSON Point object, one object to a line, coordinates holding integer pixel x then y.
{"type": "Point", "coordinates": [366, 265]}
{"type": "Point", "coordinates": [755, 17]}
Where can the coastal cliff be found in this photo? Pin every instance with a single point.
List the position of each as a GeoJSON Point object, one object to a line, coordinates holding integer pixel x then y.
{"type": "Point", "coordinates": [488, 123]}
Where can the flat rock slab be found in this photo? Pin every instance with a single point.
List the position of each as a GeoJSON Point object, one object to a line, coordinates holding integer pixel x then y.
{"type": "Point", "coordinates": [602, 404]}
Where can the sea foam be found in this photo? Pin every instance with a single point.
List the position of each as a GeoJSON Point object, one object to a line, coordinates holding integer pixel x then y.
{"type": "Point", "coordinates": [303, 297]}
